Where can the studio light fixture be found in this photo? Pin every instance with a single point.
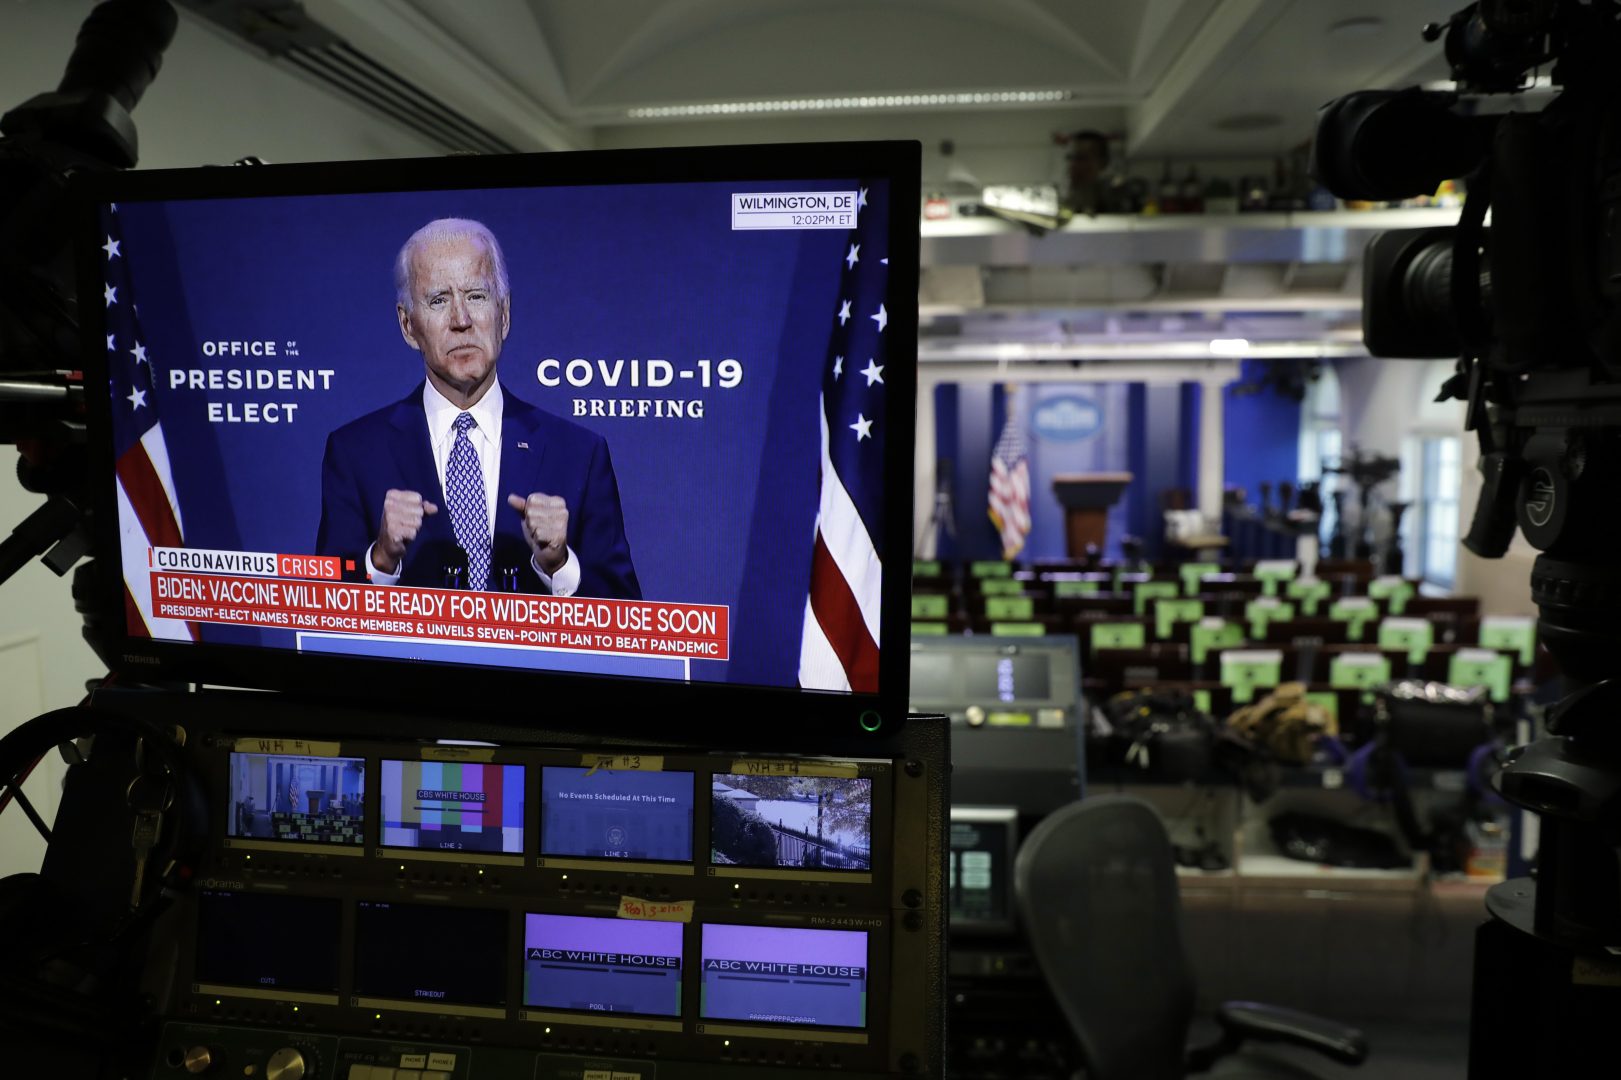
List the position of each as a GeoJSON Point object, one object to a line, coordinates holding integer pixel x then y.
{"type": "Point", "coordinates": [850, 103]}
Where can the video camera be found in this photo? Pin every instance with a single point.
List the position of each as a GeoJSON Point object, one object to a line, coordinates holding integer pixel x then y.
{"type": "Point", "coordinates": [1531, 306]}
{"type": "Point", "coordinates": [84, 125]}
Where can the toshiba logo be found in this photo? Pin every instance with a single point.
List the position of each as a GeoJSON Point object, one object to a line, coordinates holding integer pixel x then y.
{"type": "Point", "coordinates": [136, 658]}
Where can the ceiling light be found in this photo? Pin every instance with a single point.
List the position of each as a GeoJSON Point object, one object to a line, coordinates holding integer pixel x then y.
{"type": "Point", "coordinates": [844, 104]}
{"type": "Point", "coordinates": [1229, 346]}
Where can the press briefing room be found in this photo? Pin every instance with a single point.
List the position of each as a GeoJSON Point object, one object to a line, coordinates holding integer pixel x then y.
{"type": "Point", "coordinates": [1112, 502]}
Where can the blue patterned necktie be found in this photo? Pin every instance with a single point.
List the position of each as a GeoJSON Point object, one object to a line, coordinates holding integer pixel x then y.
{"type": "Point", "coordinates": [469, 506]}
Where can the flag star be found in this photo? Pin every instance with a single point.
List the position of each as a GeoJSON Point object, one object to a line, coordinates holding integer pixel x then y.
{"type": "Point", "coordinates": [885, 260]}
{"type": "Point", "coordinates": [139, 352]}
{"type": "Point", "coordinates": [844, 313]}
{"type": "Point", "coordinates": [838, 366]}
{"type": "Point", "coordinates": [861, 199]}
{"type": "Point", "coordinates": [873, 372]}
{"type": "Point", "coordinates": [110, 294]}
{"type": "Point", "coordinates": [882, 318]}
{"type": "Point", "coordinates": [137, 398]}
{"type": "Point", "coordinates": [862, 427]}
{"type": "Point", "coordinates": [113, 207]}
{"type": "Point", "coordinates": [854, 257]}
{"type": "Point", "coordinates": [111, 248]}
{"type": "Point", "coordinates": [110, 347]}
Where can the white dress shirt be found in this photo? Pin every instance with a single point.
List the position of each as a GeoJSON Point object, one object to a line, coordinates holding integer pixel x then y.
{"type": "Point", "coordinates": [486, 439]}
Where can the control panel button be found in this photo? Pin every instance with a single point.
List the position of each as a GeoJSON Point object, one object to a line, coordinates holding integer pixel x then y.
{"type": "Point", "coordinates": [435, 1074]}
{"type": "Point", "coordinates": [198, 1059]}
{"type": "Point", "coordinates": [442, 1062]}
{"type": "Point", "coordinates": [413, 1061]}
{"type": "Point", "coordinates": [360, 1072]}
{"type": "Point", "coordinates": [383, 1072]}
{"type": "Point", "coordinates": [598, 1074]}
{"type": "Point", "coordinates": [408, 1074]}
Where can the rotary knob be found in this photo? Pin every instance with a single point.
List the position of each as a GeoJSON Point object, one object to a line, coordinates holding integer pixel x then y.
{"type": "Point", "coordinates": [285, 1064]}
{"type": "Point", "coordinates": [198, 1059]}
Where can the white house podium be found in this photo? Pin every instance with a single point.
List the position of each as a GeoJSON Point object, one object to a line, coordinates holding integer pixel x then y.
{"type": "Point", "coordinates": [1086, 499]}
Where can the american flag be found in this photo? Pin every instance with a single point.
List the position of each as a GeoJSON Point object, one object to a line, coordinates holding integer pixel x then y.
{"type": "Point", "coordinates": [1010, 481]}
{"type": "Point", "coordinates": [839, 647]}
{"type": "Point", "coordinates": [148, 512]}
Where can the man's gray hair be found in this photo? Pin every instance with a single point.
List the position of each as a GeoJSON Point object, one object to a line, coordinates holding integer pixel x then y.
{"type": "Point", "coordinates": [448, 229]}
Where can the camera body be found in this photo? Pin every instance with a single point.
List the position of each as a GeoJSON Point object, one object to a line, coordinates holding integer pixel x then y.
{"type": "Point", "coordinates": [1531, 307]}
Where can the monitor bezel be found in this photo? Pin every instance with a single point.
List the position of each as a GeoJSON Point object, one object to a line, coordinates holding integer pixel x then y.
{"type": "Point", "coordinates": [418, 684]}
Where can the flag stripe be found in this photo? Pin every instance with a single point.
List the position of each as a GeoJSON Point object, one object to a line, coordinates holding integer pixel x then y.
{"type": "Point", "coordinates": [157, 452]}
{"type": "Point", "coordinates": [134, 550]}
{"type": "Point", "coordinates": [845, 536]}
{"type": "Point", "coordinates": [841, 621]}
{"type": "Point", "coordinates": [819, 666]}
{"type": "Point", "coordinates": [147, 498]}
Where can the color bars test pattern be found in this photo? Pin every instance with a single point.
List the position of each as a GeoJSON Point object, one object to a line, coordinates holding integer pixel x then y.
{"type": "Point", "coordinates": [453, 806]}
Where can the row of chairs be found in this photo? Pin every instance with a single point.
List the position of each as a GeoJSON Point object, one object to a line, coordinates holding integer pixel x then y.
{"type": "Point", "coordinates": [987, 570]}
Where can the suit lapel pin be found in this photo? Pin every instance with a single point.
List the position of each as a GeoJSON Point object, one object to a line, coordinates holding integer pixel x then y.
{"type": "Point", "coordinates": [523, 446]}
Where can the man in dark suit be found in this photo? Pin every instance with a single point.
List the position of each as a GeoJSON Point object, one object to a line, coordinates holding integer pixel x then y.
{"type": "Point", "coordinates": [461, 480]}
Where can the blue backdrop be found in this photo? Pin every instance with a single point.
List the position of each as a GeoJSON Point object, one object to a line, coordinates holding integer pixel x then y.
{"type": "Point", "coordinates": [604, 273]}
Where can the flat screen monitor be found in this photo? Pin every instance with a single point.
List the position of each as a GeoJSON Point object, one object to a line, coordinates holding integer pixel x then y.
{"type": "Point", "coordinates": [452, 807]}
{"type": "Point", "coordinates": [642, 816]}
{"type": "Point", "coordinates": [284, 944]}
{"type": "Point", "coordinates": [584, 963]}
{"type": "Point", "coordinates": [797, 822]}
{"type": "Point", "coordinates": [784, 975]}
{"type": "Point", "coordinates": [439, 956]}
{"type": "Point", "coordinates": [640, 423]}
{"type": "Point", "coordinates": [297, 799]}
{"type": "Point", "coordinates": [979, 868]}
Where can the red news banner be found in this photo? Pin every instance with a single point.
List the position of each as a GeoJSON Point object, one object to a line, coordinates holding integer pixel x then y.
{"type": "Point", "coordinates": [253, 589]}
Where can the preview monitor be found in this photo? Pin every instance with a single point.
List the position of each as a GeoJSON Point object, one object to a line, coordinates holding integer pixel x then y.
{"type": "Point", "coordinates": [452, 807]}
{"type": "Point", "coordinates": [292, 949]}
{"type": "Point", "coordinates": [595, 813]}
{"type": "Point", "coordinates": [297, 799]}
{"type": "Point", "coordinates": [637, 418]}
{"type": "Point", "coordinates": [791, 822]}
{"type": "Point", "coordinates": [454, 959]}
{"type": "Point", "coordinates": [983, 841]}
{"type": "Point", "coordinates": [784, 975]}
{"type": "Point", "coordinates": [589, 964]}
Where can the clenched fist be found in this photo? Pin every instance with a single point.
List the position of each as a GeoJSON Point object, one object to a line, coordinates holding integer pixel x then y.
{"type": "Point", "coordinates": [545, 526]}
{"type": "Point", "coordinates": [402, 520]}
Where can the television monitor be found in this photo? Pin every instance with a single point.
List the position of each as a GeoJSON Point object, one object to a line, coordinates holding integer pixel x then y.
{"type": "Point", "coordinates": [821, 823]}
{"type": "Point", "coordinates": [452, 959]}
{"type": "Point", "coordinates": [979, 868]}
{"type": "Point", "coordinates": [641, 816]}
{"type": "Point", "coordinates": [784, 975]}
{"type": "Point", "coordinates": [281, 800]}
{"type": "Point", "coordinates": [287, 945]}
{"type": "Point", "coordinates": [584, 963]}
{"type": "Point", "coordinates": [452, 808]}
{"type": "Point", "coordinates": [638, 422]}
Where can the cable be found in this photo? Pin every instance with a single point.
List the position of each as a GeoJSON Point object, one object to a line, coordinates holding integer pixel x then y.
{"type": "Point", "coordinates": [32, 814]}
{"type": "Point", "coordinates": [15, 786]}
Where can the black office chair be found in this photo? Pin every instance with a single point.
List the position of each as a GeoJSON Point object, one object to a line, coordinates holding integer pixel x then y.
{"type": "Point", "coordinates": [1097, 892]}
